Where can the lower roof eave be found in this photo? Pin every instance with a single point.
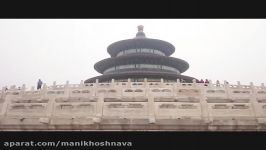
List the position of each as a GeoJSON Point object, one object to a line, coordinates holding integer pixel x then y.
{"type": "Point", "coordinates": [108, 77]}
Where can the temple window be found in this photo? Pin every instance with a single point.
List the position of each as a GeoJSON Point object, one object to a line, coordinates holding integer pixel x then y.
{"type": "Point", "coordinates": [144, 66]}
{"type": "Point", "coordinates": [140, 50]}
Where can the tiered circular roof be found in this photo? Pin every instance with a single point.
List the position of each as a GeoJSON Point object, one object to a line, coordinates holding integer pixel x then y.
{"type": "Point", "coordinates": [148, 58]}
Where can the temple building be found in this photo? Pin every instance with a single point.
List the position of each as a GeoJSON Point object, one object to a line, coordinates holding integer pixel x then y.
{"type": "Point", "coordinates": [140, 58]}
{"type": "Point", "coordinates": [141, 89]}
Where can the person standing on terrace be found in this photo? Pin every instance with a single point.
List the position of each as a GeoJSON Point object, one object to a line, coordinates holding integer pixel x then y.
{"type": "Point", "coordinates": [39, 84]}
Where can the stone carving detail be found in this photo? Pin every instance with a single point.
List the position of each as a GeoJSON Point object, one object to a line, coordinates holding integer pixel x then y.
{"type": "Point", "coordinates": [261, 100]}
{"type": "Point", "coordinates": [240, 106]}
{"type": "Point", "coordinates": [187, 106]}
{"type": "Point", "coordinates": [226, 100]}
{"type": "Point", "coordinates": [138, 90]}
{"type": "Point", "coordinates": [116, 106]}
{"type": "Point", "coordinates": [120, 105]}
{"type": "Point", "coordinates": [221, 106]}
{"type": "Point", "coordinates": [31, 101]}
{"type": "Point", "coordinates": [55, 92]}
{"type": "Point", "coordinates": [167, 106]}
{"type": "Point", "coordinates": [84, 106]}
{"type": "Point", "coordinates": [172, 99]}
{"type": "Point", "coordinates": [66, 106]}
{"type": "Point", "coordinates": [19, 107]}
{"type": "Point", "coordinates": [75, 99]}
{"type": "Point", "coordinates": [261, 92]}
{"type": "Point", "coordinates": [215, 91]}
{"type": "Point", "coordinates": [188, 91]}
{"type": "Point", "coordinates": [242, 92]}
{"type": "Point", "coordinates": [126, 99]}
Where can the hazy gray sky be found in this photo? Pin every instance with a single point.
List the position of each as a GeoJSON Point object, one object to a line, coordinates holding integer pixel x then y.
{"type": "Point", "coordinates": [67, 49]}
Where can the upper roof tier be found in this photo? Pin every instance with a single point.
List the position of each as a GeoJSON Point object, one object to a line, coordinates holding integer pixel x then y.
{"type": "Point", "coordinates": [140, 41]}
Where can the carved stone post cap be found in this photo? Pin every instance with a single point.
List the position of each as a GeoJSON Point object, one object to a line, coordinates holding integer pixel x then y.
{"type": "Point", "coordinates": [12, 87]}
{"type": "Point", "coordinates": [23, 87]}
{"type": "Point", "coordinates": [194, 80]}
{"type": "Point", "coordinates": [4, 88]}
{"type": "Point", "coordinates": [44, 86]}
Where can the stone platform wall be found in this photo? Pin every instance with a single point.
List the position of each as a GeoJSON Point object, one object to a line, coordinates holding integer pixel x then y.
{"type": "Point", "coordinates": [135, 106]}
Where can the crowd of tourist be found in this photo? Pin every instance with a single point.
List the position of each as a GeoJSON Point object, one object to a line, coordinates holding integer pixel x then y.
{"type": "Point", "coordinates": [206, 82]}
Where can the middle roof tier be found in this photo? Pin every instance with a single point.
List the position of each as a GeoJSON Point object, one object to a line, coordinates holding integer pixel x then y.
{"type": "Point", "coordinates": [170, 63]}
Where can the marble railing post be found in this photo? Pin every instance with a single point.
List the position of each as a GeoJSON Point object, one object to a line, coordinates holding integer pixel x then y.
{"type": "Point", "coordinates": [151, 110]}
{"type": "Point", "coordinates": [97, 82]}
{"type": "Point", "coordinates": [128, 83]}
{"type": "Point", "coordinates": [194, 82]}
{"type": "Point", "coordinates": [253, 100]}
{"type": "Point", "coordinates": [2, 92]}
{"type": "Point", "coordinates": [66, 89]}
{"type": "Point", "coordinates": [262, 85]}
{"type": "Point", "coordinates": [203, 103]}
{"type": "Point", "coordinates": [113, 83]}
{"type": "Point", "coordinates": [210, 83]}
{"type": "Point", "coordinates": [54, 84]}
{"type": "Point", "coordinates": [23, 88]}
{"type": "Point", "coordinates": [238, 84]}
{"type": "Point", "coordinates": [99, 109]}
{"type": "Point", "coordinates": [226, 87]}
{"type": "Point", "coordinates": [161, 82]}
{"type": "Point", "coordinates": [145, 82]}
{"type": "Point", "coordinates": [178, 82]}
{"type": "Point", "coordinates": [81, 85]}
{"type": "Point", "coordinates": [44, 90]}
{"type": "Point", "coordinates": [32, 88]}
